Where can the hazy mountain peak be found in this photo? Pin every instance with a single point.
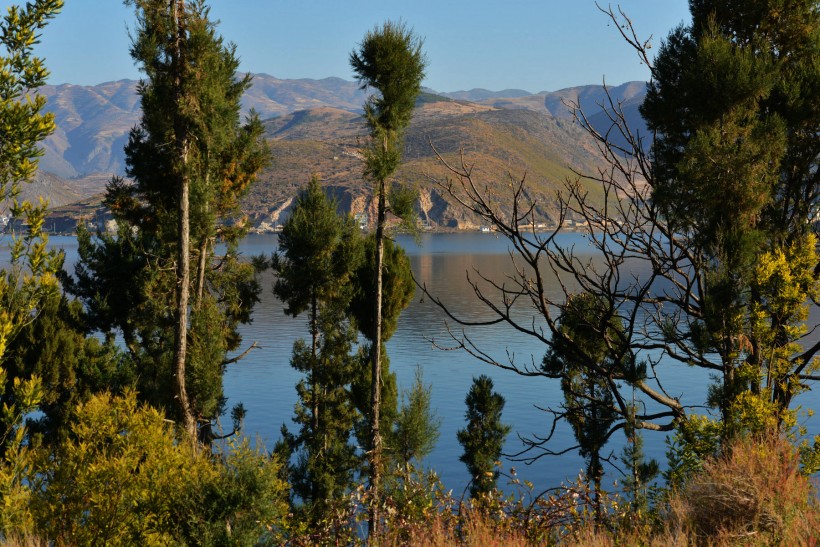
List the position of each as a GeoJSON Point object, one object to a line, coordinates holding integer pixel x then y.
{"type": "Point", "coordinates": [93, 122]}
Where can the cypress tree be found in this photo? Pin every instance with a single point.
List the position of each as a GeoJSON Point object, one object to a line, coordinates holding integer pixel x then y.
{"type": "Point", "coordinates": [190, 160]}
{"type": "Point", "coordinates": [319, 251]}
{"type": "Point", "coordinates": [733, 105]}
{"type": "Point", "coordinates": [483, 438]}
{"type": "Point", "coordinates": [390, 61]}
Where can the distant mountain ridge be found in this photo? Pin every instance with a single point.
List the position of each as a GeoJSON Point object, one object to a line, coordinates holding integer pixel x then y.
{"type": "Point", "coordinates": [479, 94]}
{"type": "Point", "coordinates": [316, 127]}
{"type": "Point", "coordinates": [93, 121]}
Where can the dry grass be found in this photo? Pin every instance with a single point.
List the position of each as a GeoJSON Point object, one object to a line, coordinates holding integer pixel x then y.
{"type": "Point", "coordinates": [474, 529]}
{"type": "Point", "coordinates": [755, 493]}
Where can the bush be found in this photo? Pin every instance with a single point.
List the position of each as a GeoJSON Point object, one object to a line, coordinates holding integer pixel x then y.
{"type": "Point", "coordinates": [120, 477]}
{"type": "Point", "coordinates": [754, 490]}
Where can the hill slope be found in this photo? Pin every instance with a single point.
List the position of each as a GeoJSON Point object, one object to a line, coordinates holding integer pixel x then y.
{"type": "Point", "coordinates": [93, 121]}
{"type": "Point", "coordinates": [315, 127]}
{"type": "Point", "coordinates": [500, 143]}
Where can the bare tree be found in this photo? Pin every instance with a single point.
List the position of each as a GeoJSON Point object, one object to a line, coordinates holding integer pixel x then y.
{"type": "Point", "coordinates": [653, 273]}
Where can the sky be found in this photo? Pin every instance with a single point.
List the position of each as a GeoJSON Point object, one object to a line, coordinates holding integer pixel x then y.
{"type": "Point", "coordinates": [535, 45]}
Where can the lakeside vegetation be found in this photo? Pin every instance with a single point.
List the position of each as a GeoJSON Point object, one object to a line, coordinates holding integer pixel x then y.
{"type": "Point", "coordinates": [112, 373]}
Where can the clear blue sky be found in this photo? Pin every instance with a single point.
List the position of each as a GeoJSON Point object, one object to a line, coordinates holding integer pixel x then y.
{"type": "Point", "coordinates": [537, 45]}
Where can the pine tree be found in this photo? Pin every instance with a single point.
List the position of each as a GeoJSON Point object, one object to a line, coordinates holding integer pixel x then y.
{"type": "Point", "coordinates": [416, 430]}
{"type": "Point", "coordinates": [390, 61]}
{"type": "Point", "coordinates": [190, 160]}
{"type": "Point", "coordinates": [585, 356]}
{"type": "Point", "coordinates": [733, 104]}
{"type": "Point", "coordinates": [319, 251]}
{"type": "Point", "coordinates": [483, 438]}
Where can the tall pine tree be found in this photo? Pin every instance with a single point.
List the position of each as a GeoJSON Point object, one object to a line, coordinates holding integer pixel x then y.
{"type": "Point", "coordinates": [390, 61]}
{"type": "Point", "coordinates": [483, 438]}
{"type": "Point", "coordinates": [190, 160]}
{"type": "Point", "coordinates": [319, 251]}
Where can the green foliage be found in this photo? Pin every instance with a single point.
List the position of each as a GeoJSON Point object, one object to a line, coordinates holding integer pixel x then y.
{"type": "Point", "coordinates": [71, 366]}
{"type": "Point", "coordinates": [403, 199]}
{"type": "Point", "coordinates": [695, 440]}
{"type": "Point", "coordinates": [483, 438]}
{"type": "Point", "coordinates": [586, 354]}
{"type": "Point", "coordinates": [16, 466]}
{"type": "Point", "coordinates": [397, 289]}
{"type": "Point", "coordinates": [21, 112]}
{"type": "Point", "coordinates": [115, 477]}
{"type": "Point", "coordinates": [390, 60]}
{"type": "Point", "coordinates": [30, 278]}
{"type": "Point", "coordinates": [243, 503]}
{"type": "Point", "coordinates": [733, 106]}
{"type": "Point", "coordinates": [319, 251]}
{"type": "Point", "coordinates": [191, 98]}
{"type": "Point", "coordinates": [121, 478]}
{"type": "Point", "coordinates": [416, 430]}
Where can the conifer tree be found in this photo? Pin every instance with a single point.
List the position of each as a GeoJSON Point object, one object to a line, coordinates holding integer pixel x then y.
{"type": "Point", "coordinates": [733, 104]}
{"type": "Point", "coordinates": [319, 251]}
{"type": "Point", "coordinates": [483, 438]}
{"type": "Point", "coordinates": [416, 430]}
{"type": "Point", "coordinates": [588, 337]}
{"type": "Point", "coordinates": [397, 291]}
{"type": "Point", "coordinates": [190, 160]}
{"type": "Point", "coordinates": [390, 61]}
{"type": "Point", "coordinates": [72, 366]}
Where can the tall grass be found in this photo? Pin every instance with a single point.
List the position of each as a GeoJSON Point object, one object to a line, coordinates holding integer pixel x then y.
{"type": "Point", "coordinates": [754, 494]}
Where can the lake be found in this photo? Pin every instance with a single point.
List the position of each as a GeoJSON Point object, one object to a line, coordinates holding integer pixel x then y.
{"type": "Point", "coordinates": [265, 383]}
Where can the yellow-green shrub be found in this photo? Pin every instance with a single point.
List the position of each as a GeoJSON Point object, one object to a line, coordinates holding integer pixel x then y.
{"type": "Point", "coordinates": [120, 477]}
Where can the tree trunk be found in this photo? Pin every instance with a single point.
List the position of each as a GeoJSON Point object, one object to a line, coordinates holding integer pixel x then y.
{"type": "Point", "coordinates": [375, 389]}
{"type": "Point", "coordinates": [596, 471]}
{"type": "Point", "coordinates": [314, 354]}
{"type": "Point", "coordinates": [183, 272]}
{"type": "Point", "coordinates": [203, 264]}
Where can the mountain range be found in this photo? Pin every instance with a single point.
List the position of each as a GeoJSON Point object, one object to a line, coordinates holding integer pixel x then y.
{"type": "Point", "coordinates": [315, 127]}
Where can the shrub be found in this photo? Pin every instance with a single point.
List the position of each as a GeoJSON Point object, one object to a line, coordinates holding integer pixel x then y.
{"type": "Point", "coordinates": [120, 477]}
{"type": "Point", "coordinates": [754, 490]}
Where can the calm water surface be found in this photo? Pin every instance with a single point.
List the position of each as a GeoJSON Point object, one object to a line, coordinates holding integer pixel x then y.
{"type": "Point", "coordinates": [264, 381]}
